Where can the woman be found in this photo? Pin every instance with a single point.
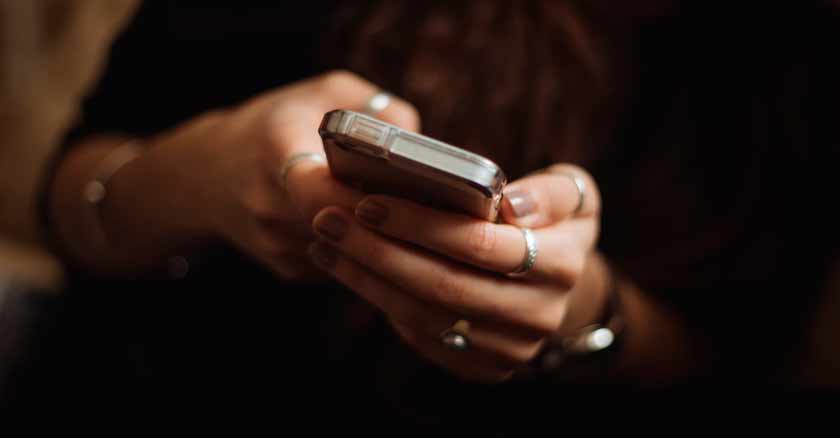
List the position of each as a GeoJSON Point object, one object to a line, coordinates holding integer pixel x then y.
{"type": "Point", "coordinates": [690, 159]}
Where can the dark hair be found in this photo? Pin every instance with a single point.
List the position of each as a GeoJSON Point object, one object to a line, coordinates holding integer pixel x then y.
{"type": "Point", "coordinates": [519, 81]}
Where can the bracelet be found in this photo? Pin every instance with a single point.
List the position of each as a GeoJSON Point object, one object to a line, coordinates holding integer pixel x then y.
{"type": "Point", "coordinates": [95, 191]}
{"type": "Point", "coordinates": [590, 351]}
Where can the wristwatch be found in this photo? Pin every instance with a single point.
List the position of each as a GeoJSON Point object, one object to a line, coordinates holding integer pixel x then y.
{"type": "Point", "coordinates": [588, 354]}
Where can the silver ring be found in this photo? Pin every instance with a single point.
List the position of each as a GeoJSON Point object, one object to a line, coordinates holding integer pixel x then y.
{"type": "Point", "coordinates": [530, 258]}
{"type": "Point", "coordinates": [377, 103]}
{"type": "Point", "coordinates": [581, 188]}
{"type": "Point", "coordinates": [295, 160]}
{"type": "Point", "coordinates": [455, 337]}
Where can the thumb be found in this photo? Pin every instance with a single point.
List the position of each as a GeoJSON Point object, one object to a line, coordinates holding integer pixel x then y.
{"type": "Point", "coordinates": [559, 192]}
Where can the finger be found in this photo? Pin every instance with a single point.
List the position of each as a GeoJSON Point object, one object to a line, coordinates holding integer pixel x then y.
{"type": "Point", "coordinates": [345, 90]}
{"type": "Point", "coordinates": [307, 186]}
{"type": "Point", "coordinates": [311, 187]}
{"type": "Point", "coordinates": [549, 197]}
{"type": "Point", "coordinates": [504, 344]}
{"type": "Point", "coordinates": [442, 282]}
{"type": "Point", "coordinates": [496, 247]}
{"type": "Point", "coordinates": [338, 89]}
{"type": "Point", "coordinates": [302, 105]}
{"type": "Point", "coordinates": [470, 366]}
{"type": "Point", "coordinates": [294, 130]}
{"type": "Point", "coordinates": [278, 249]}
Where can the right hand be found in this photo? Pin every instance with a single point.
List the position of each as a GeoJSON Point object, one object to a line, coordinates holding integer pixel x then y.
{"type": "Point", "coordinates": [222, 167]}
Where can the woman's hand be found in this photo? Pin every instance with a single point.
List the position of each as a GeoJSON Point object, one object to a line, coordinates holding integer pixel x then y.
{"type": "Point", "coordinates": [427, 269]}
{"type": "Point", "coordinates": [216, 176]}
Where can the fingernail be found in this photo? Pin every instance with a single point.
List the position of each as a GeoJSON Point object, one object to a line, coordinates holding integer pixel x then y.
{"type": "Point", "coordinates": [322, 255]}
{"type": "Point", "coordinates": [332, 226]}
{"type": "Point", "coordinates": [521, 202]}
{"type": "Point", "coordinates": [371, 212]}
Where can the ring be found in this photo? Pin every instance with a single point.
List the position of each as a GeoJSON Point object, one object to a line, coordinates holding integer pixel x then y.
{"type": "Point", "coordinates": [581, 188]}
{"type": "Point", "coordinates": [295, 160]}
{"type": "Point", "coordinates": [377, 103]}
{"type": "Point", "coordinates": [530, 258]}
{"type": "Point", "coordinates": [455, 337]}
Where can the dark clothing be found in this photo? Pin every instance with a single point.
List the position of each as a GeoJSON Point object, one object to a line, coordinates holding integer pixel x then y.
{"type": "Point", "coordinates": [737, 125]}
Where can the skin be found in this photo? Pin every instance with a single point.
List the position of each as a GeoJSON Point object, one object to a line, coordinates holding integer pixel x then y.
{"type": "Point", "coordinates": [454, 269]}
{"type": "Point", "coordinates": [51, 54]}
{"type": "Point", "coordinates": [426, 281]}
{"type": "Point", "coordinates": [214, 178]}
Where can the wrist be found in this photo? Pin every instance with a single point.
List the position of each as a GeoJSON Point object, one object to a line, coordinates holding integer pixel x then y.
{"type": "Point", "coordinates": [588, 298]}
{"type": "Point", "coordinates": [149, 204]}
{"type": "Point", "coordinates": [138, 222]}
{"type": "Point", "coordinates": [587, 344]}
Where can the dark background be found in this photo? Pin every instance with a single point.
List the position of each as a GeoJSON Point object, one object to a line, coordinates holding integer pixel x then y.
{"type": "Point", "coordinates": [228, 340]}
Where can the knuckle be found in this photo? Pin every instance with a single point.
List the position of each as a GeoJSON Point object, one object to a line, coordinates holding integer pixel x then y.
{"type": "Point", "coordinates": [448, 287]}
{"type": "Point", "coordinates": [406, 115]}
{"type": "Point", "coordinates": [574, 268]}
{"type": "Point", "coordinates": [562, 275]}
{"type": "Point", "coordinates": [275, 128]}
{"type": "Point", "coordinates": [546, 320]}
{"type": "Point", "coordinates": [481, 238]}
{"type": "Point", "coordinates": [568, 167]}
{"type": "Point", "coordinates": [375, 254]}
{"type": "Point", "coordinates": [566, 271]}
{"type": "Point", "coordinates": [310, 202]}
{"type": "Point", "coordinates": [543, 324]}
{"type": "Point", "coordinates": [524, 353]}
{"type": "Point", "coordinates": [336, 79]}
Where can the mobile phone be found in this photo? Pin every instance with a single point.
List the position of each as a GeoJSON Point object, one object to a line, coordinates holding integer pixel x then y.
{"type": "Point", "coordinates": [379, 158]}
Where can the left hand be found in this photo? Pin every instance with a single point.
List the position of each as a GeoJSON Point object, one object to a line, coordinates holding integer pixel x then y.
{"type": "Point", "coordinates": [426, 269]}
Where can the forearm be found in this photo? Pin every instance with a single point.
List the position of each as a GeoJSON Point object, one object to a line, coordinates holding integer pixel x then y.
{"type": "Point", "coordinates": [655, 345]}
{"type": "Point", "coordinates": [140, 216]}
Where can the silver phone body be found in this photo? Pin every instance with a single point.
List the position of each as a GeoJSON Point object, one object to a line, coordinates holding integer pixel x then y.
{"type": "Point", "coordinates": [376, 157]}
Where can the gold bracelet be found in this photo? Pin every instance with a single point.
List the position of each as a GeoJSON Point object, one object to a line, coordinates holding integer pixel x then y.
{"type": "Point", "coordinates": [96, 190]}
